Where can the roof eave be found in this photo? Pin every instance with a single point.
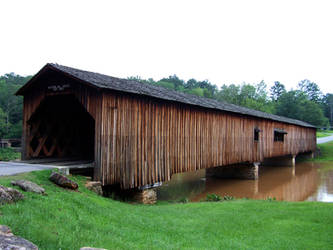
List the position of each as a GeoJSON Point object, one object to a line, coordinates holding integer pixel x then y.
{"type": "Point", "coordinates": [48, 66]}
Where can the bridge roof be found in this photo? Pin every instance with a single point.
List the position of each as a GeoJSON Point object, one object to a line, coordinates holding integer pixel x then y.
{"type": "Point", "coordinates": [129, 86]}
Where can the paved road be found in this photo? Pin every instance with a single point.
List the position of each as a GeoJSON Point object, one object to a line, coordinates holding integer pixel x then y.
{"type": "Point", "coordinates": [324, 139]}
{"type": "Point", "coordinates": [11, 168]}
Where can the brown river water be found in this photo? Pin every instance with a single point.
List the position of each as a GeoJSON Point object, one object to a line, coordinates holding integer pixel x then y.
{"type": "Point", "coordinates": [306, 181]}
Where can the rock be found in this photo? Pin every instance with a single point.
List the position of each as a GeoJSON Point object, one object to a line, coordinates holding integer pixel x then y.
{"type": "Point", "coordinates": [9, 195]}
{"type": "Point", "coordinates": [5, 230]}
{"type": "Point", "coordinates": [95, 186]}
{"type": "Point", "coordinates": [63, 181]}
{"type": "Point", "coordinates": [91, 248]}
{"type": "Point", "coordinates": [146, 196]}
{"type": "Point", "coordinates": [11, 242]}
{"type": "Point", "coordinates": [29, 186]}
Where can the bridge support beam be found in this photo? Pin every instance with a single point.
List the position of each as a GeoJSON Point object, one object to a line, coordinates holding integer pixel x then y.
{"type": "Point", "coordinates": [248, 171]}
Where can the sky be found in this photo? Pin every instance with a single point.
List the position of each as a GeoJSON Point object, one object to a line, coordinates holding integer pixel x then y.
{"type": "Point", "coordinates": [221, 41]}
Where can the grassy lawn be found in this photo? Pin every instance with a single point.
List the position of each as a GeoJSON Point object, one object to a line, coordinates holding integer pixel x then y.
{"type": "Point", "coordinates": [324, 133]}
{"type": "Point", "coordinates": [65, 219]}
{"type": "Point", "coordinates": [326, 152]}
{"type": "Point", "coordinates": [69, 220]}
{"type": "Point", "coordinates": [8, 154]}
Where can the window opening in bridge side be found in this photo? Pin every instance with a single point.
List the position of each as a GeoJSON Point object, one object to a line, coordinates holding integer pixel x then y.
{"type": "Point", "coordinates": [279, 135]}
{"type": "Point", "coordinates": [256, 134]}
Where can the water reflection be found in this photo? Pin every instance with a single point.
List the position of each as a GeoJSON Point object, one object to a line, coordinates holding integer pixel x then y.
{"type": "Point", "coordinates": [306, 181]}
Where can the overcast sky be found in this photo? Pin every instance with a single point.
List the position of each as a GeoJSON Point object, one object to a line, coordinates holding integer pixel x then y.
{"type": "Point", "coordinates": [221, 41]}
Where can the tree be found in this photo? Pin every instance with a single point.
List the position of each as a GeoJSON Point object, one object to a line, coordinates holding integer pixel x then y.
{"type": "Point", "coordinates": [191, 84]}
{"type": "Point", "coordinates": [168, 85]}
{"type": "Point", "coordinates": [10, 104]}
{"type": "Point", "coordinates": [174, 80]}
{"type": "Point", "coordinates": [311, 90]}
{"type": "Point", "coordinates": [2, 123]}
{"type": "Point", "coordinates": [313, 114]}
{"type": "Point", "coordinates": [229, 94]}
{"type": "Point", "coordinates": [295, 104]}
{"type": "Point", "coordinates": [328, 107]}
{"type": "Point", "coordinates": [277, 90]}
{"type": "Point", "coordinates": [196, 91]}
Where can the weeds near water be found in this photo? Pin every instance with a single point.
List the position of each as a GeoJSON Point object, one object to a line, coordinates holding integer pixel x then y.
{"type": "Point", "coordinates": [213, 197]}
{"type": "Point", "coordinates": [228, 198]}
{"type": "Point", "coordinates": [216, 197]}
{"type": "Point", "coordinates": [184, 200]}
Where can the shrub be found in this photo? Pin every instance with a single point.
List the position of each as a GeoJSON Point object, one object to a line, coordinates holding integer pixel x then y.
{"type": "Point", "coordinates": [213, 197]}
{"type": "Point", "coordinates": [184, 200]}
{"type": "Point", "coordinates": [8, 154]}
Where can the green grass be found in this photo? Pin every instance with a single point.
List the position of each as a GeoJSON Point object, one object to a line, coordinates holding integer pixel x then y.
{"type": "Point", "coordinates": [69, 220]}
{"type": "Point", "coordinates": [8, 154]}
{"type": "Point", "coordinates": [326, 152]}
{"type": "Point", "coordinates": [324, 133]}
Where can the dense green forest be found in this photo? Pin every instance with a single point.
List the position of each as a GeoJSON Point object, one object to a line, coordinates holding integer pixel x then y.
{"type": "Point", "coordinates": [306, 103]}
{"type": "Point", "coordinates": [11, 105]}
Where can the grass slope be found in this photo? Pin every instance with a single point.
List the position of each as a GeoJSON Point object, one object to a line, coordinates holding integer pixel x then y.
{"type": "Point", "coordinates": [326, 152]}
{"type": "Point", "coordinates": [69, 220]}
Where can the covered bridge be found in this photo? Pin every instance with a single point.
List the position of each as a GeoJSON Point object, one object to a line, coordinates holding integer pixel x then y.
{"type": "Point", "coordinates": [139, 134]}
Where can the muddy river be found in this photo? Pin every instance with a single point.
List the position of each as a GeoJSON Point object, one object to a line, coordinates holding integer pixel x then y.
{"type": "Point", "coordinates": [306, 181]}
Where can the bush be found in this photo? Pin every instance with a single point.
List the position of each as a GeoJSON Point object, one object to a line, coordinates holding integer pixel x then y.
{"type": "Point", "coordinates": [184, 200]}
{"type": "Point", "coordinates": [213, 197]}
{"type": "Point", "coordinates": [228, 198]}
{"type": "Point", "coordinates": [271, 199]}
{"type": "Point", "coordinates": [216, 197]}
{"type": "Point", "coordinates": [8, 154]}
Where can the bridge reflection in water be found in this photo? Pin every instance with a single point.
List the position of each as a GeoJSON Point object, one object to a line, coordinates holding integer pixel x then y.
{"type": "Point", "coordinates": [306, 181]}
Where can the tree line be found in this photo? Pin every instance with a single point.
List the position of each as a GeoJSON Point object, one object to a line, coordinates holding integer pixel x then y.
{"type": "Point", "coordinates": [306, 103]}
{"type": "Point", "coordinates": [11, 106]}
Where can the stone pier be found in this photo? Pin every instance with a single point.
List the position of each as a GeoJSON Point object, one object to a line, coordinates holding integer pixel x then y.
{"type": "Point", "coordinates": [145, 196]}
{"type": "Point", "coordinates": [248, 171]}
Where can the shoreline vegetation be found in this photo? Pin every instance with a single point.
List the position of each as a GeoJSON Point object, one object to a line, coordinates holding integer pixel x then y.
{"type": "Point", "coordinates": [70, 220]}
{"type": "Point", "coordinates": [325, 152]}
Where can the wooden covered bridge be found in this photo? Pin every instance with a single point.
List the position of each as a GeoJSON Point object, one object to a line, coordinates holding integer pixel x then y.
{"type": "Point", "coordinates": [139, 134]}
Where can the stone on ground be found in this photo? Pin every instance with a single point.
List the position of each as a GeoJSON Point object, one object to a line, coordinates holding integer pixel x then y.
{"type": "Point", "coordinates": [146, 196]}
{"type": "Point", "coordinates": [95, 186]}
{"type": "Point", "coordinates": [29, 186]}
{"type": "Point", "coordinates": [11, 242]}
{"type": "Point", "coordinates": [9, 195]}
{"type": "Point", "coordinates": [63, 181]}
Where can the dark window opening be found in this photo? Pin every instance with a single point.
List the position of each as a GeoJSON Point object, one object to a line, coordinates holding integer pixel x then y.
{"type": "Point", "coordinates": [279, 135]}
{"type": "Point", "coordinates": [256, 134]}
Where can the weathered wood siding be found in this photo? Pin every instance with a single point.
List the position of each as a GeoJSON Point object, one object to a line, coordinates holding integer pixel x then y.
{"type": "Point", "coordinates": [141, 140]}
{"type": "Point", "coordinates": [144, 140]}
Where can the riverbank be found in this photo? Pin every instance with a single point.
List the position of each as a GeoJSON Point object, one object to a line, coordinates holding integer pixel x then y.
{"type": "Point", "coordinates": [69, 220]}
{"type": "Point", "coordinates": [325, 152]}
